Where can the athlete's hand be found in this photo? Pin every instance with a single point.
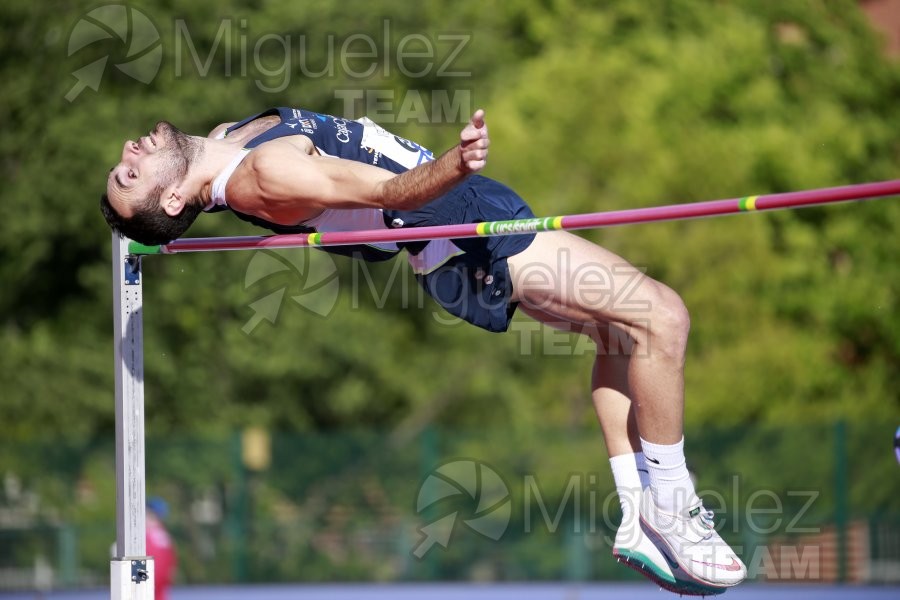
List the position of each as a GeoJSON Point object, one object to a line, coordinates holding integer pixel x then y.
{"type": "Point", "coordinates": [474, 142]}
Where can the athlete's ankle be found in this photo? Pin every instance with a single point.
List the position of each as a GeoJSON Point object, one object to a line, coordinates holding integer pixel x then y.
{"type": "Point", "coordinates": [670, 480]}
{"type": "Point", "coordinates": [628, 479]}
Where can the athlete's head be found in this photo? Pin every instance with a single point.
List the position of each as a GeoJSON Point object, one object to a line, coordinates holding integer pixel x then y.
{"type": "Point", "coordinates": [145, 197]}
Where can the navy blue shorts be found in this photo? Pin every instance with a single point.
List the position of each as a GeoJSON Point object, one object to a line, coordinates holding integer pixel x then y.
{"type": "Point", "coordinates": [474, 285]}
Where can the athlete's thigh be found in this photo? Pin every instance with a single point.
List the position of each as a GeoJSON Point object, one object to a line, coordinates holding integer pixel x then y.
{"type": "Point", "coordinates": [604, 335]}
{"type": "Point", "coordinates": [567, 276]}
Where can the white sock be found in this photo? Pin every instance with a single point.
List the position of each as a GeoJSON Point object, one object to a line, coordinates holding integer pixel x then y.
{"type": "Point", "coordinates": [670, 481]}
{"type": "Point", "coordinates": [630, 476]}
{"type": "Point", "coordinates": [643, 473]}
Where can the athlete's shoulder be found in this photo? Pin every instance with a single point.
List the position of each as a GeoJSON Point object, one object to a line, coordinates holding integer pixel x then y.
{"type": "Point", "coordinates": [219, 130]}
{"type": "Point", "coordinates": [285, 146]}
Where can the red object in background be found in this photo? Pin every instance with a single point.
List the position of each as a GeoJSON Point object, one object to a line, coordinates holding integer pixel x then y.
{"type": "Point", "coordinates": [884, 16]}
{"type": "Point", "coordinates": [161, 548]}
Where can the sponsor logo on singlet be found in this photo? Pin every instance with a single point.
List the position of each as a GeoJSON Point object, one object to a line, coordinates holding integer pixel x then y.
{"type": "Point", "coordinates": [375, 154]}
{"type": "Point", "coordinates": [343, 132]}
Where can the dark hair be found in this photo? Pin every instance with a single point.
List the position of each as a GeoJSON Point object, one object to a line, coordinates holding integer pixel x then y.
{"type": "Point", "coordinates": [150, 224]}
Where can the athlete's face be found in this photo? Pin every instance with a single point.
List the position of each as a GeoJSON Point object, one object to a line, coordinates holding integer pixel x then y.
{"type": "Point", "coordinates": [149, 165]}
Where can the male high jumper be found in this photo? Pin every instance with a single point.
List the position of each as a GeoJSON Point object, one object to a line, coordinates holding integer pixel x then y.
{"type": "Point", "coordinates": [294, 170]}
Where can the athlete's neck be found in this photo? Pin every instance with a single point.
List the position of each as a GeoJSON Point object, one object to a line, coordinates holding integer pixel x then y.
{"type": "Point", "coordinates": [212, 160]}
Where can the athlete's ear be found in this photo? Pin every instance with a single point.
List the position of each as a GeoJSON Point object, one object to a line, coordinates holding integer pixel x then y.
{"type": "Point", "coordinates": [173, 202]}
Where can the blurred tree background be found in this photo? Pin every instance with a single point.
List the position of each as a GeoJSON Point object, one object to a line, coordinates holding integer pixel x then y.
{"type": "Point", "coordinates": [592, 106]}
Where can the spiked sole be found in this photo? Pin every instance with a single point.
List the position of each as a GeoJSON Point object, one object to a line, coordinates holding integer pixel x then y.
{"type": "Point", "coordinates": [640, 563]}
{"type": "Point", "coordinates": [664, 545]}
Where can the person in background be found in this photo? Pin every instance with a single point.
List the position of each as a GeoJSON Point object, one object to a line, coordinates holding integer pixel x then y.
{"type": "Point", "coordinates": [160, 547]}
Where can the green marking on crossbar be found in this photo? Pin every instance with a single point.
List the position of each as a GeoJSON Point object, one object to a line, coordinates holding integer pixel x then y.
{"type": "Point", "coordinates": [138, 248]}
{"type": "Point", "coordinates": [533, 225]}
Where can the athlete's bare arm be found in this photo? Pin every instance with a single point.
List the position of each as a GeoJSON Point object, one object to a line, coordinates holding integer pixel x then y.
{"type": "Point", "coordinates": [286, 181]}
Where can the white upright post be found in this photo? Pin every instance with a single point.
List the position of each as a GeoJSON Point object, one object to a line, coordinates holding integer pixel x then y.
{"type": "Point", "coordinates": [131, 571]}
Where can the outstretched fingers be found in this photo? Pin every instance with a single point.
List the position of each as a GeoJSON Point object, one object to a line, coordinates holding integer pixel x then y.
{"type": "Point", "coordinates": [474, 142]}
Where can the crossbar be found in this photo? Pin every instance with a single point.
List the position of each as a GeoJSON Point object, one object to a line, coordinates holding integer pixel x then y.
{"type": "Point", "coordinates": [673, 212]}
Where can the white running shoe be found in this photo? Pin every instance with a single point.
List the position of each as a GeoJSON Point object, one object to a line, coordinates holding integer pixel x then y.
{"type": "Point", "coordinates": [634, 549]}
{"type": "Point", "coordinates": [690, 542]}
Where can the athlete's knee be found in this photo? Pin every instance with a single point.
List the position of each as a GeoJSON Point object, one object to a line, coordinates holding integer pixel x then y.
{"type": "Point", "coordinates": [669, 323]}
